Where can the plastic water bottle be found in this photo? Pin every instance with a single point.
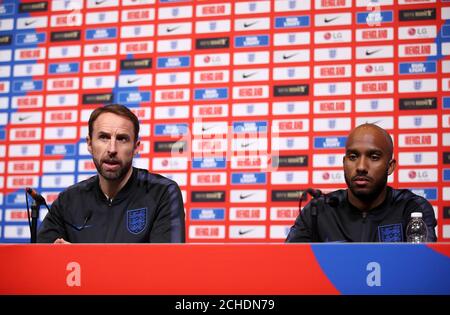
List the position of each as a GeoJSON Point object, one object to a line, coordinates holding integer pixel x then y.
{"type": "Point", "coordinates": [416, 230]}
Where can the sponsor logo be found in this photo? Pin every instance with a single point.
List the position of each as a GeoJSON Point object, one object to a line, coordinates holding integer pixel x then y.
{"type": "Point", "coordinates": [329, 142]}
{"type": "Point", "coordinates": [427, 193]}
{"type": "Point", "coordinates": [374, 34]}
{"type": "Point", "coordinates": [41, 6]}
{"type": "Point", "coordinates": [333, 19]}
{"type": "Point", "coordinates": [7, 9]}
{"type": "Point", "coordinates": [251, 41]}
{"type": "Point", "coordinates": [327, 20]}
{"type": "Point", "coordinates": [247, 214]}
{"type": "Point", "coordinates": [170, 146]}
{"type": "Point", "coordinates": [208, 196]}
{"type": "Point", "coordinates": [173, 62]}
{"type": "Point", "coordinates": [101, 33]}
{"type": "Point", "coordinates": [131, 64]}
{"type": "Point", "coordinates": [212, 43]}
{"type": "Point", "coordinates": [5, 39]}
{"type": "Point", "coordinates": [65, 36]}
{"type": "Point", "coordinates": [207, 232]}
{"type": "Point", "coordinates": [417, 50]}
{"type": "Point", "coordinates": [374, 18]}
{"type": "Point", "coordinates": [59, 149]}
{"type": "Point", "coordinates": [171, 129]}
{"type": "Point", "coordinates": [331, 106]}
{"type": "Point", "coordinates": [208, 163]}
{"type": "Point", "coordinates": [446, 102]}
{"type": "Point", "coordinates": [249, 126]}
{"type": "Point", "coordinates": [211, 94]}
{"type": "Point", "coordinates": [213, 10]}
{"type": "Point", "coordinates": [246, 196]}
{"type": "Point", "coordinates": [291, 90]}
{"type": "Point", "coordinates": [30, 38]}
{"type": "Point", "coordinates": [292, 21]}
{"type": "Point", "coordinates": [417, 67]}
{"type": "Point", "coordinates": [446, 157]}
{"type": "Point", "coordinates": [445, 31]}
{"type": "Point", "coordinates": [210, 110]}
{"type": "Point", "coordinates": [15, 199]}
{"type": "Point", "coordinates": [27, 85]}
{"type": "Point", "coordinates": [290, 160]}
{"type": "Point", "coordinates": [134, 97]}
{"type": "Point", "coordinates": [208, 179]}
{"type": "Point", "coordinates": [410, 140]}
{"type": "Point", "coordinates": [445, 175]}
{"type": "Point", "coordinates": [247, 231]}
{"type": "Point", "coordinates": [248, 178]}
{"type": "Point", "coordinates": [446, 213]}
{"type": "Point", "coordinates": [330, 4]}
{"type": "Point", "coordinates": [217, 214]}
{"type": "Point", "coordinates": [418, 103]}
{"type": "Point", "coordinates": [286, 195]}
{"type": "Point", "coordinates": [418, 175]}
{"type": "Point", "coordinates": [102, 98]}
{"type": "Point", "coordinates": [60, 68]}
{"type": "Point", "coordinates": [417, 15]}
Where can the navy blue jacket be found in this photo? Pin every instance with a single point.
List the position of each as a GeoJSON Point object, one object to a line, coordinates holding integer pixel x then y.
{"type": "Point", "coordinates": [340, 221]}
{"type": "Point", "coordinates": [148, 209]}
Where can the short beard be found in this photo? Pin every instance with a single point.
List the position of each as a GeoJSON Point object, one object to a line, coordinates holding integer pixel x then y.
{"type": "Point", "coordinates": [366, 196]}
{"type": "Point", "coordinates": [113, 176]}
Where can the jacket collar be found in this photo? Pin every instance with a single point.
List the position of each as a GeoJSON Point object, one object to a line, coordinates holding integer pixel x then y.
{"type": "Point", "coordinates": [122, 194]}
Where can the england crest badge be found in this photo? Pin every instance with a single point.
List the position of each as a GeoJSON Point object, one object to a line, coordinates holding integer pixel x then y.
{"type": "Point", "coordinates": [136, 220]}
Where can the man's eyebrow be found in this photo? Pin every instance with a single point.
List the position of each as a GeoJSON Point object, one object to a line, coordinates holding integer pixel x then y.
{"type": "Point", "coordinates": [369, 151]}
{"type": "Point", "coordinates": [123, 136]}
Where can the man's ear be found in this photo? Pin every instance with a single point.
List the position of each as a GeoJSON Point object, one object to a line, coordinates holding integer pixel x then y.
{"type": "Point", "coordinates": [392, 166]}
{"type": "Point", "coordinates": [89, 144]}
{"type": "Point", "coordinates": [136, 147]}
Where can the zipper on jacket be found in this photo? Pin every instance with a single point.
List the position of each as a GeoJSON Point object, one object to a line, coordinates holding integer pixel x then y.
{"type": "Point", "coordinates": [364, 227]}
{"type": "Point", "coordinates": [364, 216]}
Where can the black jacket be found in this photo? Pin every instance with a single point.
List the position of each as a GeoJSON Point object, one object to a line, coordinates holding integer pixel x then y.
{"type": "Point", "coordinates": [148, 209]}
{"type": "Point", "coordinates": [339, 221]}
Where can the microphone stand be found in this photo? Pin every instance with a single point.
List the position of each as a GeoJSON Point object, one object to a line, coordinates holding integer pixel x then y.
{"type": "Point", "coordinates": [34, 218]}
{"type": "Point", "coordinates": [314, 213]}
{"type": "Point", "coordinates": [315, 194]}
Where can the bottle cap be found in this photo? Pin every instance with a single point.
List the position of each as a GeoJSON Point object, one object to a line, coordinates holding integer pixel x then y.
{"type": "Point", "coordinates": [416, 215]}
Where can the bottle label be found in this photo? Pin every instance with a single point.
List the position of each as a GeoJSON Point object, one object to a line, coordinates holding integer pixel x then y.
{"type": "Point", "coordinates": [390, 233]}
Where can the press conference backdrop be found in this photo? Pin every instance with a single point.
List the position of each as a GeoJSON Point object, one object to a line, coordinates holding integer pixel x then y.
{"type": "Point", "coordinates": [243, 103]}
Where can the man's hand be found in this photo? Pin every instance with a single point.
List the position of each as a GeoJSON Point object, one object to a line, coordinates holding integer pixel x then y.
{"type": "Point", "coordinates": [61, 241]}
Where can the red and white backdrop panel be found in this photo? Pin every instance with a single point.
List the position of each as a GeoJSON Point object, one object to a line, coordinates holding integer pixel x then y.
{"type": "Point", "coordinates": [243, 103]}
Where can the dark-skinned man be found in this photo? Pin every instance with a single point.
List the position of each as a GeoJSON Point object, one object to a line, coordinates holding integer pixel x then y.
{"type": "Point", "coordinates": [369, 210]}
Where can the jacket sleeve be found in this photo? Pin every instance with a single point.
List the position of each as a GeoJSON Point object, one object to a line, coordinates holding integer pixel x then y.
{"type": "Point", "coordinates": [301, 232]}
{"type": "Point", "coordinates": [168, 226]}
{"type": "Point", "coordinates": [52, 226]}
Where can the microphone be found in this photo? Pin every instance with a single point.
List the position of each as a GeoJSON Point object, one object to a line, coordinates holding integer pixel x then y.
{"type": "Point", "coordinates": [41, 201]}
{"type": "Point", "coordinates": [36, 196]}
{"type": "Point", "coordinates": [315, 193]}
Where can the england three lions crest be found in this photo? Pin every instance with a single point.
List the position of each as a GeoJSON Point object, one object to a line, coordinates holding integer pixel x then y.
{"type": "Point", "coordinates": [136, 220]}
